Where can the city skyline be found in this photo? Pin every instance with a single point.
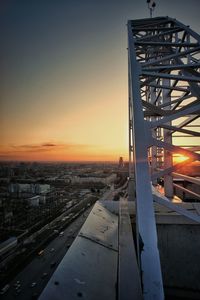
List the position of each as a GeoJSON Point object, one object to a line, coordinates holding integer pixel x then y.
{"type": "Point", "coordinates": [64, 88]}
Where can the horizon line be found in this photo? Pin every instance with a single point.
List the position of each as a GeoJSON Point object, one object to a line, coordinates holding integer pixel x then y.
{"type": "Point", "coordinates": [59, 161]}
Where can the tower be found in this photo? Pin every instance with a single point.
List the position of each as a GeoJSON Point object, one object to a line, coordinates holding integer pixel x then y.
{"type": "Point", "coordinates": [163, 61]}
{"type": "Point", "coordinates": [121, 162]}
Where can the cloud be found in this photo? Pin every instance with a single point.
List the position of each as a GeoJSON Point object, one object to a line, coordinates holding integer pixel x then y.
{"type": "Point", "coordinates": [42, 147]}
{"type": "Point", "coordinates": [49, 145]}
{"type": "Point", "coordinates": [53, 151]}
{"type": "Point", "coordinates": [34, 147]}
{"type": "Point", "coordinates": [56, 152]}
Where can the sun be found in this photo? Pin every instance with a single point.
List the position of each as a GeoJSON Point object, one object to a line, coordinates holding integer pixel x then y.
{"type": "Point", "coordinates": [178, 158]}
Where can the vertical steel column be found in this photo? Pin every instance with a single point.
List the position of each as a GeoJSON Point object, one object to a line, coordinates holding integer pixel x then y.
{"type": "Point", "coordinates": [131, 183]}
{"type": "Point", "coordinates": [153, 148]}
{"type": "Point", "coordinates": [145, 219]}
{"type": "Point", "coordinates": [168, 180]}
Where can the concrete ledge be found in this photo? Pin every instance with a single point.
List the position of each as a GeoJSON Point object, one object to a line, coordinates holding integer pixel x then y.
{"type": "Point", "coordinates": [89, 268]}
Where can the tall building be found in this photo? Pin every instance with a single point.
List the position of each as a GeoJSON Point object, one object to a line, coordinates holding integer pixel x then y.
{"type": "Point", "coordinates": [121, 162]}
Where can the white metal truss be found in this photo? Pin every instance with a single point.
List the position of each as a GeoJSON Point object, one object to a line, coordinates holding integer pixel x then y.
{"type": "Point", "coordinates": [164, 107]}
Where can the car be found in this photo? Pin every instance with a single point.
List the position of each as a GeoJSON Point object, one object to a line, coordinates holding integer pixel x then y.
{"type": "Point", "coordinates": [41, 252]}
{"type": "Point", "coordinates": [44, 274]}
{"type": "Point", "coordinates": [17, 292]}
{"type": "Point", "coordinates": [18, 286]}
{"type": "Point", "coordinates": [33, 284]}
{"type": "Point", "coordinates": [4, 289]}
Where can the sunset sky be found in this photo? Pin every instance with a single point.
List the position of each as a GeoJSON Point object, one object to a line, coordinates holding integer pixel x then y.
{"type": "Point", "coordinates": [64, 76]}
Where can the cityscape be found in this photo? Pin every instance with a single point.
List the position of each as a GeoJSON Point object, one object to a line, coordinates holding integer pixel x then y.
{"type": "Point", "coordinates": [42, 208]}
{"type": "Point", "coordinates": [99, 150]}
{"type": "Point", "coordinates": [38, 202]}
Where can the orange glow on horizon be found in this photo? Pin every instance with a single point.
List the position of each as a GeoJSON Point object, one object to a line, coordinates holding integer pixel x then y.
{"type": "Point", "coordinates": [60, 152]}
{"type": "Point", "coordinates": [179, 158]}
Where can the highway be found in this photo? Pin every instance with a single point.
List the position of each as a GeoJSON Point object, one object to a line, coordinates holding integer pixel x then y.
{"type": "Point", "coordinates": [30, 282]}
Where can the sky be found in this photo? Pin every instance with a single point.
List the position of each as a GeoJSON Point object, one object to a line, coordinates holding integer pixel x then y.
{"type": "Point", "coordinates": [64, 85]}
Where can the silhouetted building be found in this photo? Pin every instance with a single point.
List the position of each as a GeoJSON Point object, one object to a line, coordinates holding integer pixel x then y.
{"type": "Point", "coordinates": [121, 162]}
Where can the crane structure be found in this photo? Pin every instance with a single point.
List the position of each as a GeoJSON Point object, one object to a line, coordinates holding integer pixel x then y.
{"type": "Point", "coordinates": [164, 98]}
{"type": "Point", "coordinates": [116, 253]}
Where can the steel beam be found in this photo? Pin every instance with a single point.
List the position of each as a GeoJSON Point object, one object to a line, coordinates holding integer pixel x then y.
{"type": "Point", "coordinates": [186, 190]}
{"type": "Point", "coordinates": [172, 67]}
{"type": "Point", "coordinates": [173, 129]}
{"type": "Point", "coordinates": [149, 260]}
{"type": "Point", "coordinates": [160, 199]}
{"type": "Point", "coordinates": [171, 56]}
{"type": "Point", "coordinates": [168, 180]}
{"type": "Point", "coordinates": [176, 77]}
{"type": "Point", "coordinates": [166, 44]}
{"type": "Point", "coordinates": [187, 178]}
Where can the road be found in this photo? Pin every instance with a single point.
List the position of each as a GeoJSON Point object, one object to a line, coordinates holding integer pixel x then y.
{"type": "Point", "coordinates": [112, 192]}
{"type": "Point", "coordinates": [39, 270]}
{"type": "Point", "coordinates": [109, 194]}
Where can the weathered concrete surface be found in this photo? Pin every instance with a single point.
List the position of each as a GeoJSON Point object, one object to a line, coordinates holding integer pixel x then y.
{"type": "Point", "coordinates": [89, 268]}
{"type": "Point", "coordinates": [179, 247]}
{"type": "Point", "coordinates": [92, 261]}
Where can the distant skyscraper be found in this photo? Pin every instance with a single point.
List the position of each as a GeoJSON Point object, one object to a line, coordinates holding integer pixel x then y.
{"type": "Point", "coordinates": [121, 162]}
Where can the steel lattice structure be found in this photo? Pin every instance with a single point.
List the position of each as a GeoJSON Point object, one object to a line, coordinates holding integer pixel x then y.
{"type": "Point", "coordinates": [164, 99]}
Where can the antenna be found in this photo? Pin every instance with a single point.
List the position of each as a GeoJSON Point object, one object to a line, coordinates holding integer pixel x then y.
{"type": "Point", "coordinates": [151, 7]}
